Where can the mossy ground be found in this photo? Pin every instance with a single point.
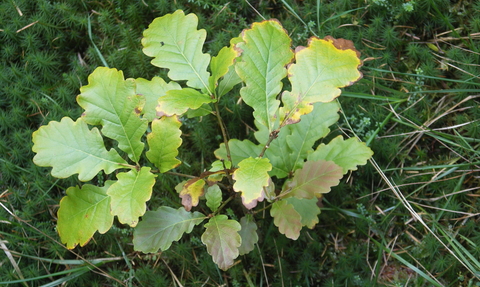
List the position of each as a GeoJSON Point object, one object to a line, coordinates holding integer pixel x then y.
{"type": "Point", "coordinates": [417, 105]}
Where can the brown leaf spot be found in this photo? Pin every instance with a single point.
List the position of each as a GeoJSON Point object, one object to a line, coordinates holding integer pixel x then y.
{"type": "Point", "coordinates": [342, 44]}
{"type": "Point", "coordinates": [186, 201]}
{"type": "Point", "coordinates": [299, 48]}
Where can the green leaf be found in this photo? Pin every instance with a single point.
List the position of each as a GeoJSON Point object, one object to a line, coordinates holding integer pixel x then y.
{"type": "Point", "coordinates": [111, 101]}
{"type": "Point", "coordinates": [158, 229]}
{"type": "Point", "coordinates": [345, 153]}
{"type": "Point", "coordinates": [265, 53]}
{"type": "Point", "coordinates": [218, 169]}
{"type": "Point", "coordinates": [177, 102]}
{"type": "Point", "coordinates": [320, 70]}
{"type": "Point", "coordinates": [164, 141]}
{"type": "Point", "coordinates": [248, 233]}
{"type": "Point", "coordinates": [228, 82]}
{"type": "Point", "coordinates": [83, 211]}
{"type": "Point", "coordinates": [250, 179]}
{"type": "Point", "coordinates": [239, 150]}
{"type": "Point", "coordinates": [70, 147]}
{"type": "Point", "coordinates": [222, 240]}
{"type": "Point", "coordinates": [220, 65]}
{"type": "Point", "coordinates": [129, 194]}
{"type": "Point", "coordinates": [152, 91]}
{"type": "Point", "coordinates": [191, 192]}
{"type": "Point", "coordinates": [214, 197]}
{"type": "Point", "coordinates": [176, 44]}
{"type": "Point", "coordinates": [294, 142]}
{"type": "Point", "coordinates": [307, 208]}
{"type": "Point", "coordinates": [286, 218]}
{"type": "Point", "coordinates": [315, 178]}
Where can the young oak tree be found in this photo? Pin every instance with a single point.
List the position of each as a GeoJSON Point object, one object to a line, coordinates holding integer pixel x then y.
{"type": "Point", "coordinates": [288, 123]}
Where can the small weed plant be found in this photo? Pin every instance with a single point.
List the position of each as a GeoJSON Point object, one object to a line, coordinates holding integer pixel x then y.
{"type": "Point", "coordinates": [132, 128]}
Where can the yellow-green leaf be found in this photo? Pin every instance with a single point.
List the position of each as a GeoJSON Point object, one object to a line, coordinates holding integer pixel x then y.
{"type": "Point", "coordinates": [129, 194]}
{"type": "Point", "coordinates": [111, 101]}
{"type": "Point", "coordinates": [177, 102]}
{"type": "Point", "coordinates": [163, 142]}
{"type": "Point", "coordinates": [220, 65]}
{"type": "Point", "coordinates": [84, 211]}
{"type": "Point", "coordinates": [191, 192]}
{"type": "Point", "coordinates": [70, 147]}
{"type": "Point", "coordinates": [250, 179]}
{"type": "Point", "coordinates": [265, 53]}
{"type": "Point", "coordinates": [176, 44]}
{"type": "Point", "coordinates": [320, 70]}
{"type": "Point", "coordinates": [152, 91]}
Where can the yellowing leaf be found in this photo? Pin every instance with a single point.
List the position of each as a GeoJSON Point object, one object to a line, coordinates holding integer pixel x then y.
{"type": "Point", "coordinates": [70, 147]}
{"type": "Point", "coordinates": [177, 102]}
{"type": "Point", "coordinates": [248, 233]}
{"type": "Point", "coordinates": [163, 142]}
{"type": "Point", "coordinates": [265, 53]}
{"type": "Point", "coordinates": [345, 153]}
{"type": "Point", "coordinates": [315, 178]}
{"type": "Point", "coordinates": [83, 211]}
{"type": "Point", "coordinates": [158, 229]}
{"type": "Point", "coordinates": [307, 208]}
{"type": "Point", "coordinates": [320, 70]}
{"type": "Point", "coordinates": [250, 179]}
{"type": "Point", "coordinates": [129, 194]}
{"type": "Point", "coordinates": [111, 101]}
{"type": "Point", "coordinates": [286, 218]}
{"type": "Point", "coordinates": [222, 240]}
{"type": "Point", "coordinates": [176, 44]}
{"type": "Point", "coordinates": [191, 192]}
{"type": "Point", "coordinates": [152, 91]}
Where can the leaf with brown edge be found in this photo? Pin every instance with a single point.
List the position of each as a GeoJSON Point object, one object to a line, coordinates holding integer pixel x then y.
{"type": "Point", "coordinates": [313, 179]}
{"type": "Point", "coordinates": [222, 240]}
{"type": "Point", "coordinates": [250, 179]}
{"type": "Point", "coordinates": [191, 192]}
{"type": "Point", "coordinates": [319, 71]}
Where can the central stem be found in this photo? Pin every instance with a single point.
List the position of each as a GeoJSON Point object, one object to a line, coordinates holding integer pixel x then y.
{"type": "Point", "coordinates": [224, 132]}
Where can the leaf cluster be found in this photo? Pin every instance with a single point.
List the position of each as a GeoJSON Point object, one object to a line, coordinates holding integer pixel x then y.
{"type": "Point", "coordinates": [123, 110]}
